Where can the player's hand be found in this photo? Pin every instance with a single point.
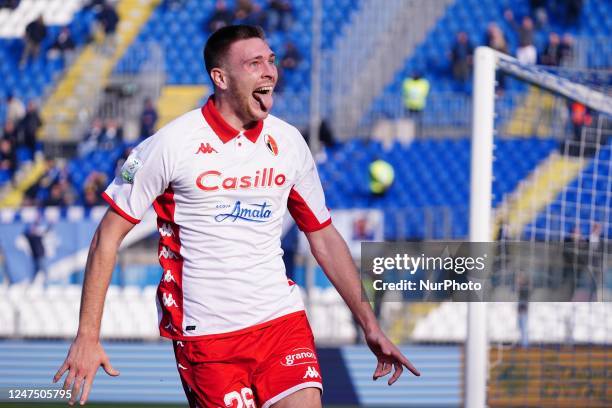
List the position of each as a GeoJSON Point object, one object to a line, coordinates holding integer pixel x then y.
{"type": "Point", "coordinates": [82, 362]}
{"type": "Point", "coordinates": [388, 356]}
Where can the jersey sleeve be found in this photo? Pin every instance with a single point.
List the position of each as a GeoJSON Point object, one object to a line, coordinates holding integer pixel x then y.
{"type": "Point", "coordinates": [306, 201]}
{"type": "Point", "coordinates": [144, 176]}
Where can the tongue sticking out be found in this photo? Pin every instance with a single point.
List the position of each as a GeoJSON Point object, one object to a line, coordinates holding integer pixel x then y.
{"type": "Point", "coordinates": [265, 99]}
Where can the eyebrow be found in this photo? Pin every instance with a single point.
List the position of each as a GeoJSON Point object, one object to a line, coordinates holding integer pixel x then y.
{"type": "Point", "coordinates": [260, 57]}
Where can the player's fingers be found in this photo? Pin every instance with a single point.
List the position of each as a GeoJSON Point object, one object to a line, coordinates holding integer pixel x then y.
{"type": "Point", "coordinates": [76, 390]}
{"type": "Point", "coordinates": [404, 360]}
{"type": "Point", "coordinates": [87, 388]}
{"type": "Point", "coordinates": [60, 372]}
{"type": "Point", "coordinates": [398, 371]}
{"type": "Point", "coordinates": [386, 369]}
{"type": "Point", "coordinates": [109, 368]}
{"type": "Point", "coordinates": [69, 379]}
{"type": "Point", "coordinates": [378, 371]}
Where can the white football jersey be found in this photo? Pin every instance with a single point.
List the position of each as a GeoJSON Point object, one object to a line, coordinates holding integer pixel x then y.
{"type": "Point", "coordinates": [220, 196]}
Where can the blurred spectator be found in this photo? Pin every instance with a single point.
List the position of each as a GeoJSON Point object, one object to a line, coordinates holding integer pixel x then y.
{"type": "Point", "coordinates": [539, 13]}
{"type": "Point", "coordinates": [35, 33]}
{"type": "Point", "coordinates": [495, 39]}
{"type": "Point", "coordinates": [112, 136]}
{"type": "Point", "coordinates": [249, 13]}
{"type": "Point", "coordinates": [292, 56]}
{"type": "Point", "coordinates": [221, 17]}
{"type": "Point", "coordinates": [10, 4]}
{"type": "Point", "coordinates": [35, 234]}
{"type": "Point", "coordinates": [94, 186]}
{"type": "Point", "coordinates": [581, 117]}
{"type": "Point", "coordinates": [526, 52]}
{"type": "Point", "coordinates": [63, 44]}
{"type": "Point", "coordinates": [92, 138]}
{"type": "Point", "coordinates": [54, 174]}
{"type": "Point", "coordinates": [461, 57]}
{"type": "Point", "coordinates": [414, 94]}
{"type": "Point", "coordinates": [289, 62]}
{"type": "Point", "coordinates": [573, 11]}
{"type": "Point", "coordinates": [279, 15]}
{"type": "Point", "coordinates": [8, 157]}
{"type": "Point", "coordinates": [107, 21]}
{"type": "Point", "coordinates": [244, 8]}
{"type": "Point", "coordinates": [552, 52]}
{"type": "Point", "coordinates": [596, 255]}
{"type": "Point", "coordinates": [9, 132]}
{"type": "Point", "coordinates": [15, 109]}
{"type": "Point", "coordinates": [94, 4]}
{"type": "Point", "coordinates": [30, 124]}
{"type": "Point", "coordinates": [326, 134]}
{"type": "Point", "coordinates": [61, 194]}
{"type": "Point", "coordinates": [566, 50]}
{"type": "Point", "coordinates": [523, 308]}
{"type": "Point", "coordinates": [148, 119]}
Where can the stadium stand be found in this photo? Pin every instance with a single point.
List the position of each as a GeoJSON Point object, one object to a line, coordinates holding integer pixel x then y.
{"type": "Point", "coordinates": [473, 16]}
{"type": "Point", "coordinates": [573, 322]}
{"type": "Point", "coordinates": [182, 32]}
{"type": "Point", "coordinates": [434, 174]}
{"type": "Point", "coordinates": [584, 200]}
{"type": "Point", "coordinates": [35, 79]}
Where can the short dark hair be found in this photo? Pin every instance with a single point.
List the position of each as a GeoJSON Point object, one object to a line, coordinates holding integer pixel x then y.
{"type": "Point", "coordinates": [221, 40]}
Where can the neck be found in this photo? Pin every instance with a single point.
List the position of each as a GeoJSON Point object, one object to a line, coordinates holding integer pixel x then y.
{"type": "Point", "coordinates": [230, 115]}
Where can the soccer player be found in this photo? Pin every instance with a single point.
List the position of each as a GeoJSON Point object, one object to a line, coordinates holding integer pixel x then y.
{"type": "Point", "coordinates": [220, 179]}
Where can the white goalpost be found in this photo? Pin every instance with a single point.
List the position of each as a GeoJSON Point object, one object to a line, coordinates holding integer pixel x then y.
{"type": "Point", "coordinates": [481, 223]}
{"type": "Point", "coordinates": [481, 182]}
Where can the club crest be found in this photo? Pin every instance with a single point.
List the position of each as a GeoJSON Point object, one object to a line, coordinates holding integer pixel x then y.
{"type": "Point", "coordinates": [271, 145]}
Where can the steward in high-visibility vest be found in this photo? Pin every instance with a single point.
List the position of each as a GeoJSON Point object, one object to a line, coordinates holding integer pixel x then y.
{"type": "Point", "coordinates": [381, 176]}
{"type": "Point", "coordinates": [414, 92]}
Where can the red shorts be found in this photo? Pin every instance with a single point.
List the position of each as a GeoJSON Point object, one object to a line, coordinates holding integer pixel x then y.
{"type": "Point", "coordinates": [254, 369]}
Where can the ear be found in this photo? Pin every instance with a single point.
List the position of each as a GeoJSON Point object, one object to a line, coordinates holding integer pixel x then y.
{"type": "Point", "coordinates": [219, 78]}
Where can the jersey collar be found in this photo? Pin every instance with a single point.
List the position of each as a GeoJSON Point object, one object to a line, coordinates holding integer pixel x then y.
{"type": "Point", "coordinates": [224, 130]}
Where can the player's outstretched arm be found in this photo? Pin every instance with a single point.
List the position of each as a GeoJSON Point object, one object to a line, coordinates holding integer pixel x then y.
{"type": "Point", "coordinates": [331, 252]}
{"type": "Point", "coordinates": [86, 353]}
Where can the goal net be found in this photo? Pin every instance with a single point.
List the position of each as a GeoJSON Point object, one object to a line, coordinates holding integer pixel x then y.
{"type": "Point", "coordinates": [550, 343]}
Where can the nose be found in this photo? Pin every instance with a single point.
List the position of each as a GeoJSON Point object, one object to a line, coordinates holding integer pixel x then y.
{"type": "Point", "coordinates": [269, 71]}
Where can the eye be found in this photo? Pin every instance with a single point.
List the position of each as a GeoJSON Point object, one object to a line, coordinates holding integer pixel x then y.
{"type": "Point", "coordinates": [254, 64]}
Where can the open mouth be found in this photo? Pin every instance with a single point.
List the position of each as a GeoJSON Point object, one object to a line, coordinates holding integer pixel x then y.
{"type": "Point", "coordinates": [264, 90]}
{"type": "Point", "coordinates": [263, 95]}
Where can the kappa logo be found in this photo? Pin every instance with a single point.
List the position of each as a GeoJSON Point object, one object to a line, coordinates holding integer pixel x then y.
{"type": "Point", "coordinates": [271, 144]}
{"type": "Point", "coordinates": [165, 230]}
{"type": "Point", "coordinates": [168, 300]}
{"type": "Point", "coordinates": [168, 277]}
{"type": "Point", "coordinates": [206, 148]}
{"type": "Point", "coordinates": [167, 253]}
{"type": "Point", "coordinates": [299, 356]}
{"type": "Point", "coordinates": [311, 372]}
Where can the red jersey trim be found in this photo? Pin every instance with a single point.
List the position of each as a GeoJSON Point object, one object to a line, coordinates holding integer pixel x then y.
{"type": "Point", "coordinates": [118, 209]}
{"type": "Point", "coordinates": [224, 130]}
{"type": "Point", "coordinates": [302, 214]}
{"type": "Point", "coordinates": [171, 261]}
{"type": "Point", "coordinates": [236, 332]}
